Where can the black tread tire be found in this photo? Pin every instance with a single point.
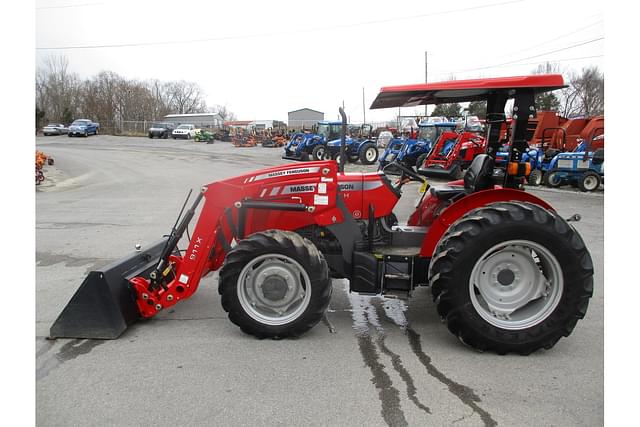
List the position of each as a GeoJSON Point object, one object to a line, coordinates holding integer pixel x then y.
{"type": "Point", "coordinates": [336, 157]}
{"type": "Point", "coordinates": [286, 243]}
{"type": "Point", "coordinates": [456, 172]}
{"type": "Point", "coordinates": [583, 178]}
{"type": "Point", "coordinates": [548, 179]}
{"type": "Point", "coordinates": [535, 178]}
{"type": "Point", "coordinates": [420, 160]}
{"type": "Point", "coordinates": [363, 151]}
{"type": "Point", "coordinates": [314, 153]}
{"type": "Point", "coordinates": [480, 229]}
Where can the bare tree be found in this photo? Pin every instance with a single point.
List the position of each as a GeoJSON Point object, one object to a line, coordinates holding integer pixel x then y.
{"type": "Point", "coordinates": [110, 98]}
{"type": "Point", "coordinates": [225, 114]}
{"type": "Point", "coordinates": [186, 97]}
{"type": "Point", "coordinates": [56, 88]}
{"type": "Point", "coordinates": [589, 87]}
{"type": "Point", "coordinates": [547, 101]}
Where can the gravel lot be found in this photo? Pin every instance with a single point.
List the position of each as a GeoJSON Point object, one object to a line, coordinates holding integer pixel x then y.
{"type": "Point", "coordinates": [192, 366]}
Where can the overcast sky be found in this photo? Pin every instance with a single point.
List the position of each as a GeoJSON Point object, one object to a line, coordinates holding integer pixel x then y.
{"type": "Point", "coordinates": [263, 59]}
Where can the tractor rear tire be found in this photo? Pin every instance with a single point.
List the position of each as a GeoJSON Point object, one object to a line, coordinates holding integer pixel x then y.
{"type": "Point", "coordinates": [368, 153]}
{"type": "Point", "coordinates": [275, 284]}
{"type": "Point", "coordinates": [535, 178]}
{"type": "Point", "coordinates": [318, 152]}
{"type": "Point", "coordinates": [551, 179]}
{"type": "Point", "coordinates": [589, 181]}
{"type": "Point", "coordinates": [511, 277]}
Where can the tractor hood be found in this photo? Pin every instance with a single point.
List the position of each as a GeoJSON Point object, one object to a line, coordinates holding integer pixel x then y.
{"type": "Point", "coordinates": [336, 142]}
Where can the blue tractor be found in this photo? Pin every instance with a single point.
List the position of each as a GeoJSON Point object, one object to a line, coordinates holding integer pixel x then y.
{"type": "Point", "coordinates": [539, 157]}
{"type": "Point", "coordinates": [411, 152]}
{"type": "Point", "coordinates": [582, 168]}
{"type": "Point", "coordinates": [358, 146]}
{"type": "Point", "coordinates": [312, 146]}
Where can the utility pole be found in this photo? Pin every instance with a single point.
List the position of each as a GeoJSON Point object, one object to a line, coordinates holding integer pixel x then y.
{"type": "Point", "coordinates": [426, 75]}
{"type": "Point", "coordinates": [364, 111]}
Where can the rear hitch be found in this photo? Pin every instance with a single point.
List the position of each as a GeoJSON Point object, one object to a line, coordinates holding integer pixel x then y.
{"type": "Point", "coordinates": [574, 218]}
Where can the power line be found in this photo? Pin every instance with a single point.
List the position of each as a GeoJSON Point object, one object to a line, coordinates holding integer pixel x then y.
{"type": "Point", "coordinates": [555, 60]}
{"type": "Point", "coordinates": [68, 6]}
{"type": "Point", "coordinates": [278, 33]}
{"type": "Point", "coordinates": [552, 40]}
{"type": "Point", "coordinates": [524, 59]}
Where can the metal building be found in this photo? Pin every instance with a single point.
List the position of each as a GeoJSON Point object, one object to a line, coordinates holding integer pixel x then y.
{"type": "Point", "coordinates": [304, 118]}
{"type": "Point", "coordinates": [199, 120]}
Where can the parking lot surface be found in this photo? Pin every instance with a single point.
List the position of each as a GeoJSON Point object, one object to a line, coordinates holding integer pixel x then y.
{"type": "Point", "coordinates": [373, 361]}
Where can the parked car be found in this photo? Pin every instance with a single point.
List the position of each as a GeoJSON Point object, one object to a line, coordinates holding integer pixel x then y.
{"type": "Point", "coordinates": [83, 127]}
{"type": "Point", "coordinates": [161, 130]}
{"type": "Point", "coordinates": [184, 131]}
{"type": "Point", "coordinates": [55, 129]}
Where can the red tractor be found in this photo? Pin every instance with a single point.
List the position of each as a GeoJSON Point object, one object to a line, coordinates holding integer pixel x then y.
{"type": "Point", "coordinates": [452, 154]}
{"type": "Point", "coordinates": [507, 273]}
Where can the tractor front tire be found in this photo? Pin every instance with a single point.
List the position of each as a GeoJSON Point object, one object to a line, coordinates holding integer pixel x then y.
{"type": "Point", "coordinates": [336, 157]}
{"type": "Point", "coordinates": [535, 178]}
{"type": "Point", "coordinates": [552, 179]}
{"type": "Point", "coordinates": [318, 152]}
{"type": "Point", "coordinates": [275, 284]}
{"type": "Point", "coordinates": [511, 277]}
{"type": "Point", "coordinates": [589, 181]}
{"type": "Point", "coordinates": [368, 153]}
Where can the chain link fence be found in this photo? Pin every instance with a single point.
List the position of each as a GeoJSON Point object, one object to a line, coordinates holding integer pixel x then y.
{"type": "Point", "coordinates": [141, 127]}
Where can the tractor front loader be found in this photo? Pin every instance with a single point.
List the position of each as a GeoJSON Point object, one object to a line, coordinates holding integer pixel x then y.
{"type": "Point", "coordinates": [506, 272]}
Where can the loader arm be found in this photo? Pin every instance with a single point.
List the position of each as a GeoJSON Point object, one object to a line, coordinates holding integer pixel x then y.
{"type": "Point", "coordinates": [285, 198]}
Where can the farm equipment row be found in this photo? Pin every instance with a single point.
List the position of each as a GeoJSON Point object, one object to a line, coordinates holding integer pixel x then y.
{"type": "Point", "coordinates": [41, 160]}
{"type": "Point", "coordinates": [560, 151]}
{"type": "Point", "coordinates": [325, 144]}
{"type": "Point", "coordinates": [507, 273]}
{"type": "Point", "coordinates": [566, 151]}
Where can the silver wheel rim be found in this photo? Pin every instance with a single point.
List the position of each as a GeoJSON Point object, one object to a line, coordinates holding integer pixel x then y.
{"type": "Point", "coordinates": [370, 154]}
{"type": "Point", "coordinates": [320, 153]}
{"type": "Point", "coordinates": [516, 284]}
{"type": "Point", "coordinates": [554, 179]}
{"type": "Point", "coordinates": [590, 183]}
{"type": "Point", "coordinates": [274, 289]}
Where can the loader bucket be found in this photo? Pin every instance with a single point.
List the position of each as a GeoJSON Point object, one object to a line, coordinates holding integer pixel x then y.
{"type": "Point", "coordinates": [104, 305]}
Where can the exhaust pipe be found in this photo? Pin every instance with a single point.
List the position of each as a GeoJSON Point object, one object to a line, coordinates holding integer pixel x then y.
{"type": "Point", "coordinates": [343, 140]}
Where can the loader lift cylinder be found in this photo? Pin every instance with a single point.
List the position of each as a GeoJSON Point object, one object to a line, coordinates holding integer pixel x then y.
{"type": "Point", "coordinates": [158, 274]}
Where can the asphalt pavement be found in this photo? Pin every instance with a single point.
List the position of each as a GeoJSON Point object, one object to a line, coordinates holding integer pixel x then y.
{"type": "Point", "coordinates": [372, 361]}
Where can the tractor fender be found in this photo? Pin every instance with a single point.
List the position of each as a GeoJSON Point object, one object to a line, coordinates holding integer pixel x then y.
{"type": "Point", "coordinates": [475, 200]}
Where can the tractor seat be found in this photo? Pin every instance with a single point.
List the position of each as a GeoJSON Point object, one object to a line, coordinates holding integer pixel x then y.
{"type": "Point", "coordinates": [447, 193]}
{"type": "Point", "coordinates": [477, 178]}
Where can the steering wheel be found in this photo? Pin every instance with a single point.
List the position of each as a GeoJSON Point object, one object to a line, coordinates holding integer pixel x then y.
{"type": "Point", "coordinates": [406, 174]}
